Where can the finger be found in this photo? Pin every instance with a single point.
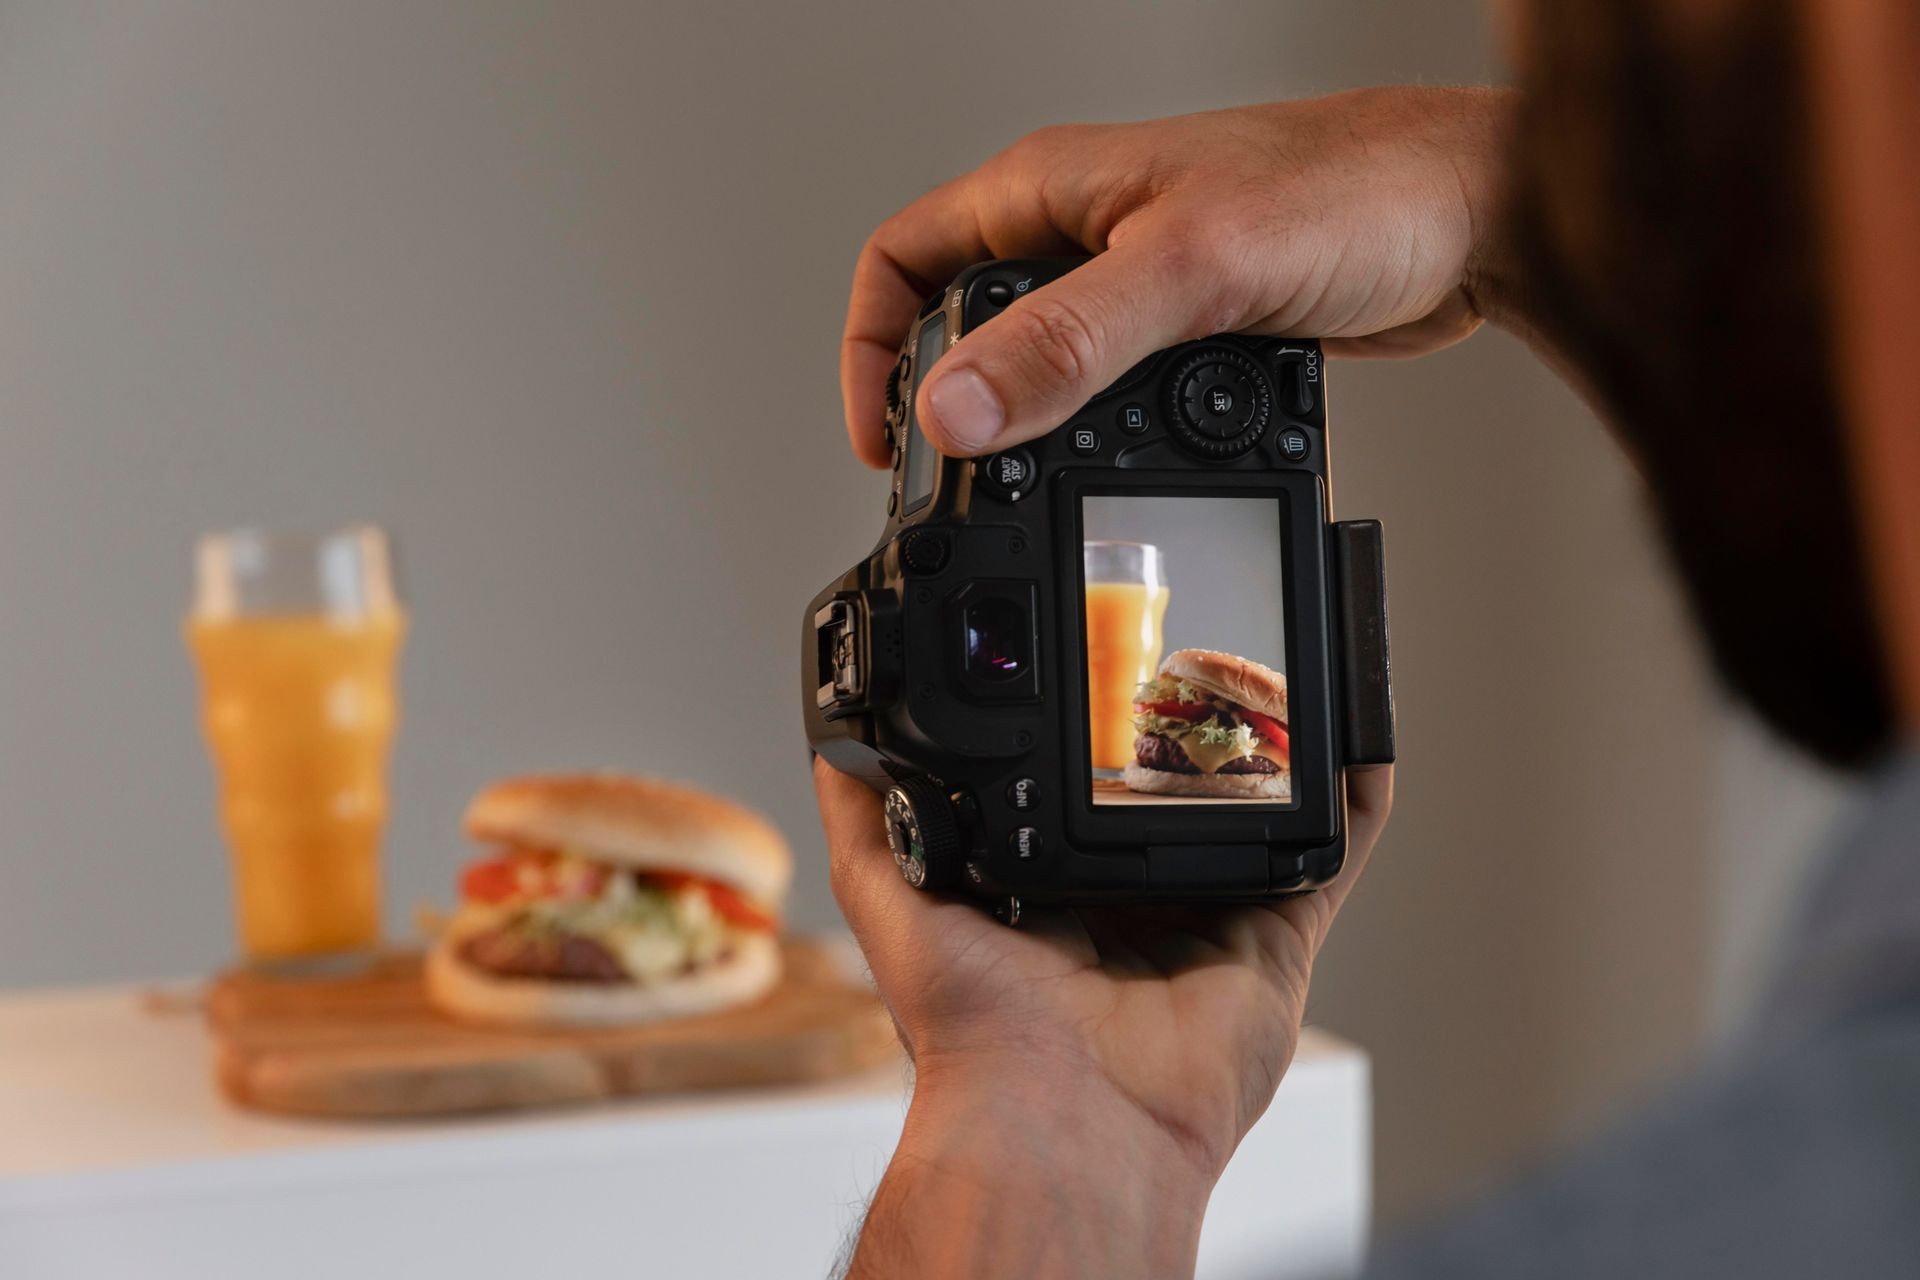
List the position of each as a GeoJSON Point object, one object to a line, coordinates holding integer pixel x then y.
{"type": "Point", "coordinates": [875, 900]}
{"type": "Point", "coordinates": [886, 297]}
{"type": "Point", "coordinates": [1369, 802]}
{"type": "Point", "coordinates": [911, 255]}
{"type": "Point", "coordinates": [1028, 369]}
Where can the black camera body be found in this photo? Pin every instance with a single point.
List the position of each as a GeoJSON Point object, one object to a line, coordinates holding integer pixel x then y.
{"type": "Point", "coordinates": [981, 669]}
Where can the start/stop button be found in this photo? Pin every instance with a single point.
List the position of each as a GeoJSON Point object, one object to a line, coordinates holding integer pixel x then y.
{"type": "Point", "coordinates": [1009, 474]}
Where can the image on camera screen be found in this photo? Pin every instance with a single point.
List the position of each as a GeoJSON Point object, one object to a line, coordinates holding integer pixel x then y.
{"type": "Point", "coordinates": [1186, 642]}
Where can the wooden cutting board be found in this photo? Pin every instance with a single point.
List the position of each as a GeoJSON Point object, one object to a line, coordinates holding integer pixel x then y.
{"type": "Point", "coordinates": [370, 1046]}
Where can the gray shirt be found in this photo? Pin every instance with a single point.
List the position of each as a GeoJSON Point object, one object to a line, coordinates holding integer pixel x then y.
{"type": "Point", "coordinates": [1796, 1153]}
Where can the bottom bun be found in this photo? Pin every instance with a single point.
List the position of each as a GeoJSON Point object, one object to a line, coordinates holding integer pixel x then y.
{"type": "Point", "coordinates": [1215, 786]}
{"type": "Point", "coordinates": [462, 991]}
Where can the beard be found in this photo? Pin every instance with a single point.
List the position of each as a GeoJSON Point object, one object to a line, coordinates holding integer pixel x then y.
{"type": "Point", "coordinates": [1665, 228]}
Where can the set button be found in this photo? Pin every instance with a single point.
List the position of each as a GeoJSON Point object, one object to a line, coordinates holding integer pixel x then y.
{"type": "Point", "coordinates": [1219, 402]}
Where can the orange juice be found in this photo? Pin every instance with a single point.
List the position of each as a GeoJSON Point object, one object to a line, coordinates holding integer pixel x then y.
{"type": "Point", "coordinates": [1123, 649]}
{"type": "Point", "coordinates": [299, 711]}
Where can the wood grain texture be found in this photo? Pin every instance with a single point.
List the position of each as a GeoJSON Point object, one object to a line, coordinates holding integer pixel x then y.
{"type": "Point", "coordinates": [370, 1045]}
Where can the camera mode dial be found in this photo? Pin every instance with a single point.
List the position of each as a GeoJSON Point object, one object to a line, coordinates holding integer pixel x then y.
{"type": "Point", "coordinates": [924, 834]}
{"type": "Point", "coordinates": [1221, 402]}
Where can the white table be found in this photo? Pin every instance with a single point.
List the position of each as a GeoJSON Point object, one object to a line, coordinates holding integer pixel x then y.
{"type": "Point", "coordinates": [118, 1159]}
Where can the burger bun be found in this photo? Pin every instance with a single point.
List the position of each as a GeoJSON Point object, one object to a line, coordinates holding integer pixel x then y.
{"type": "Point", "coordinates": [462, 991]}
{"type": "Point", "coordinates": [1216, 786]}
{"type": "Point", "coordinates": [641, 823]}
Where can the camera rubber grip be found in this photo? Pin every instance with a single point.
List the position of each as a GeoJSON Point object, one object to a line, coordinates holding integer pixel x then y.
{"type": "Point", "coordinates": [1366, 680]}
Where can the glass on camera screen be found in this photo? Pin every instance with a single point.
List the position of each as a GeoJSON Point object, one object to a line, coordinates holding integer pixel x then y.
{"type": "Point", "coordinates": [1186, 641]}
{"type": "Point", "coordinates": [922, 458]}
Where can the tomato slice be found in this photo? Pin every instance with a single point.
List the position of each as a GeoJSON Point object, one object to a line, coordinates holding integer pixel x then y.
{"type": "Point", "coordinates": [735, 909]}
{"type": "Point", "coordinates": [1269, 729]}
{"type": "Point", "coordinates": [531, 873]}
{"type": "Point", "coordinates": [726, 900]}
{"type": "Point", "coordinates": [491, 880]}
{"type": "Point", "coordinates": [1177, 710]}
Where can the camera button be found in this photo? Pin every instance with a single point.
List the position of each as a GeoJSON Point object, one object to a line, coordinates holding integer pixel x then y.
{"type": "Point", "coordinates": [1132, 419]}
{"type": "Point", "coordinates": [924, 551]}
{"type": "Point", "coordinates": [1025, 842]}
{"type": "Point", "coordinates": [1024, 795]}
{"type": "Point", "coordinates": [1292, 445]}
{"type": "Point", "coordinates": [1296, 393]}
{"type": "Point", "coordinates": [1009, 474]}
{"type": "Point", "coordinates": [1086, 441]}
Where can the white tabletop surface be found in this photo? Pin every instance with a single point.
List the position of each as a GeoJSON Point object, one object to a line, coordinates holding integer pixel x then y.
{"type": "Point", "coordinates": [115, 1147]}
{"type": "Point", "coordinates": [102, 1078]}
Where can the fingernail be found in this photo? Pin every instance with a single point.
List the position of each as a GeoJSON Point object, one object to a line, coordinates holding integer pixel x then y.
{"type": "Point", "coordinates": [968, 411]}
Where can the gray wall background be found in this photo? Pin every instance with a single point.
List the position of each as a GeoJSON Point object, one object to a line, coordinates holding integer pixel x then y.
{"type": "Point", "coordinates": [554, 291]}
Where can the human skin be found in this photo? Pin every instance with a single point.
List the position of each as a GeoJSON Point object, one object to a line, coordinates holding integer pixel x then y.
{"type": "Point", "coordinates": [1359, 219]}
{"type": "Point", "coordinates": [1082, 1081]}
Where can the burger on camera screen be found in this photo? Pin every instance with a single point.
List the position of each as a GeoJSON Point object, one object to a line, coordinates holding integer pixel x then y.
{"type": "Point", "coordinates": [1186, 636]}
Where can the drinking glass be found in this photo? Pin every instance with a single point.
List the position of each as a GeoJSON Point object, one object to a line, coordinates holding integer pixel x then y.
{"type": "Point", "coordinates": [297, 636]}
{"type": "Point", "coordinates": [1126, 605]}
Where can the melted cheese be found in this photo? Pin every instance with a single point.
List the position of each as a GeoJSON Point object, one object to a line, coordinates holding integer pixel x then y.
{"type": "Point", "coordinates": [1206, 756]}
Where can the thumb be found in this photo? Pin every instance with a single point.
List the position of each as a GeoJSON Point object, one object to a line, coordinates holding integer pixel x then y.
{"type": "Point", "coordinates": [1030, 368]}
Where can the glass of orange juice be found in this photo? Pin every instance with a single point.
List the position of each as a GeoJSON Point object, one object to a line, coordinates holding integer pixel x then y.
{"type": "Point", "coordinates": [1126, 584]}
{"type": "Point", "coordinates": [297, 636]}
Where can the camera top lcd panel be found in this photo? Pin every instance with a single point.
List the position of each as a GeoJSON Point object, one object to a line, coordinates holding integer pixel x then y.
{"type": "Point", "coordinates": [1128, 660]}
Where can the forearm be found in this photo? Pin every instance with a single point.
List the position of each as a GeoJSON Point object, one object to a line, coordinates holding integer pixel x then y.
{"type": "Point", "coordinates": [1029, 1178]}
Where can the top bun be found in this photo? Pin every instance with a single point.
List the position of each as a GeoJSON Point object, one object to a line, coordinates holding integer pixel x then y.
{"type": "Point", "coordinates": [640, 823]}
{"type": "Point", "coordinates": [1240, 680]}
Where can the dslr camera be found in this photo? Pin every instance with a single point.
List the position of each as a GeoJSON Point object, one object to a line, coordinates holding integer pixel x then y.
{"type": "Point", "coordinates": [1127, 661]}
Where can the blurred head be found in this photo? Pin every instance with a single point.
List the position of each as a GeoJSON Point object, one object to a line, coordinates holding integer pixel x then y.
{"type": "Point", "coordinates": [1670, 210]}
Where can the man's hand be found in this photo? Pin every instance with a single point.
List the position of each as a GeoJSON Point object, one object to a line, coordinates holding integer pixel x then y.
{"type": "Point", "coordinates": [1359, 219]}
{"type": "Point", "coordinates": [1081, 1080]}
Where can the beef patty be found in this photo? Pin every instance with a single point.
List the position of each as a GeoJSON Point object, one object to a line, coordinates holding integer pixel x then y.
{"type": "Point", "coordinates": [553, 955]}
{"type": "Point", "coordinates": [1157, 751]}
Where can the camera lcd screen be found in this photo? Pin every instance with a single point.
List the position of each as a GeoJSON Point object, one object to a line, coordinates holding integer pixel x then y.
{"type": "Point", "coordinates": [921, 456]}
{"type": "Point", "coordinates": [1183, 605]}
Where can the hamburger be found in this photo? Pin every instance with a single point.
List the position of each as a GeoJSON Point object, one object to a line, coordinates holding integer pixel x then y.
{"type": "Point", "coordinates": [1213, 725]}
{"type": "Point", "coordinates": [608, 900]}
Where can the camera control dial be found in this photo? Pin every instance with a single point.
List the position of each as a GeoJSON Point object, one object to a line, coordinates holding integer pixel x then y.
{"type": "Point", "coordinates": [924, 834]}
{"type": "Point", "coordinates": [1221, 402]}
